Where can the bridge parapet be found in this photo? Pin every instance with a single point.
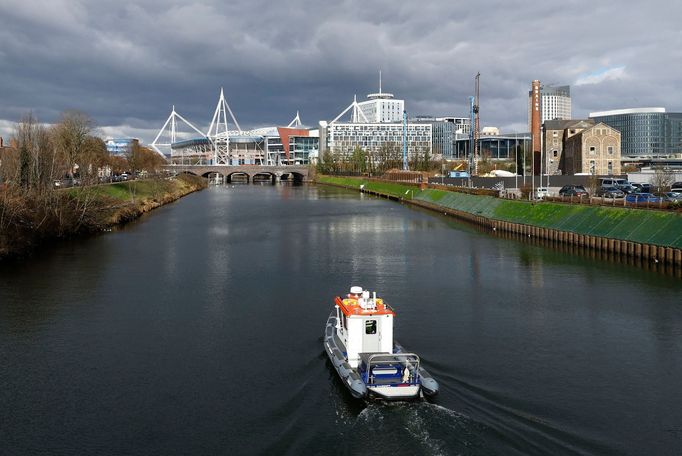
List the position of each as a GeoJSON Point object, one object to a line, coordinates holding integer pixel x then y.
{"type": "Point", "coordinates": [250, 170]}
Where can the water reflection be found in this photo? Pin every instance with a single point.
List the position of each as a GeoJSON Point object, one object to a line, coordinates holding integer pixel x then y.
{"type": "Point", "coordinates": [206, 316]}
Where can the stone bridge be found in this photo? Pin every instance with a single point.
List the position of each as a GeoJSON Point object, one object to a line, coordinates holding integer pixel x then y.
{"type": "Point", "coordinates": [295, 173]}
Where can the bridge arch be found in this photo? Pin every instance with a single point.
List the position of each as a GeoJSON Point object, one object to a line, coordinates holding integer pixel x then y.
{"type": "Point", "coordinates": [214, 177]}
{"type": "Point", "coordinates": [292, 176]}
{"type": "Point", "coordinates": [239, 174]}
{"type": "Point", "coordinates": [262, 176]}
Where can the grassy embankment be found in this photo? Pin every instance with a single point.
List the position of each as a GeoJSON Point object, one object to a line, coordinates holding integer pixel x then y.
{"type": "Point", "coordinates": [634, 225]}
{"type": "Point", "coordinates": [28, 220]}
{"type": "Point", "coordinates": [128, 200]}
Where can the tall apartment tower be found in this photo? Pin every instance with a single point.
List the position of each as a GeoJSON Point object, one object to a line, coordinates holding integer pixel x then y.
{"type": "Point", "coordinates": [555, 103]}
{"type": "Point", "coordinates": [535, 124]}
{"type": "Point", "coordinates": [382, 107]}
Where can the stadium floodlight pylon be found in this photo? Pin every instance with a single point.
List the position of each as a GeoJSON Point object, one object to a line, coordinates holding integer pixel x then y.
{"type": "Point", "coordinates": [171, 129]}
{"type": "Point", "coordinates": [357, 116]}
{"type": "Point", "coordinates": [219, 134]}
{"type": "Point", "coordinates": [296, 122]}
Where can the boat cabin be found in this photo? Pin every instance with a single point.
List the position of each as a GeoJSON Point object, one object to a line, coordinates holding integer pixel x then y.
{"type": "Point", "coordinates": [364, 324]}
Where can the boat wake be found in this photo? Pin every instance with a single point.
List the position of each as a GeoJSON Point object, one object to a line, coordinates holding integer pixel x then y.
{"type": "Point", "coordinates": [416, 428]}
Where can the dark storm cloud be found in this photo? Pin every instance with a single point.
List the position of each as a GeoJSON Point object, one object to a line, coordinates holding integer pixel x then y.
{"type": "Point", "coordinates": [126, 64]}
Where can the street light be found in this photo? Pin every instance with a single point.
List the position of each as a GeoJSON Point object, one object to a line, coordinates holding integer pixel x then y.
{"type": "Point", "coordinates": [516, 161]}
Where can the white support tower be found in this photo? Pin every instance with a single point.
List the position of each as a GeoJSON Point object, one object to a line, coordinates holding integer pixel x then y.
{"type": "Point", "coordinates": [296, 122]}
{"type": "Point", "coordinates": [219, 134]}
{"type": "Point", "coordinates": [357, 116]}
{"type": "Point", "coordinates": [169, 132]}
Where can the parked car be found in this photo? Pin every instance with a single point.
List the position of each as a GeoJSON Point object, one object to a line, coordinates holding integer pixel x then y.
{"type": "Point", "coordinates": [628, 188]}
{"type": "Point", "coordinates": [643, 198]}
{"type": "Point", "coordinates": [610, 192]}
{"type": "Point", "coordinates": [643, 188]}
{"type": "Point", "coordinates": [676, 187]}
{"type": "Point", "coordinates": [672, 197]}
{"type": "Point", "coordinates": [573, 190]}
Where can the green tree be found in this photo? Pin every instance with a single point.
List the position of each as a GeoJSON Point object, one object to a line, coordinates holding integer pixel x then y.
{"type": "Point", "coordinates": [358, 160]}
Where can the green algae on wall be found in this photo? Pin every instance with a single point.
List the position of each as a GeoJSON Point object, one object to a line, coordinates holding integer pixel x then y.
{"type": "Point", "coordinates": [635, 225]}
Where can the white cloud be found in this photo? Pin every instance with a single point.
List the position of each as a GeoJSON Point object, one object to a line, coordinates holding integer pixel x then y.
{"type": "Point", "coordinates": [126, 64]}
{"type": "Point", "coordinates": [6, 129]}
{"type": "Point", "coordinates": [597, 77]}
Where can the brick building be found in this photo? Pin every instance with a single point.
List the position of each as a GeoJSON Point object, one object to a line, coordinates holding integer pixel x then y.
{"type": "Point", "coordinates": [556, 132]}
{"type": "Point", "coordinates": [594, 150]}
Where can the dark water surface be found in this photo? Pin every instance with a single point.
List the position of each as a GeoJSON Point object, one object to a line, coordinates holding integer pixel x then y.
{"type": "Point", "coordinates": [198, 329]}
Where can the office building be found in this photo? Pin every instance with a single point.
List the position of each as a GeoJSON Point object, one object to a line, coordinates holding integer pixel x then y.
{"type": "Point", "coordinates": [554, 103]}
{"type": "Point", "coordinates": [645, 132]}
{"type": "Point", "coordinates": [495, 147]}
{"type": "Point", "coordinates": [382, 107]}
{"type": "Point", "coordinates": [444, 133]}
{"type": "Point", "coordinates": [376, 137]}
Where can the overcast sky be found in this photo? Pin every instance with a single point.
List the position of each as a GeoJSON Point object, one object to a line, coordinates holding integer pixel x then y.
{"type": "Point", "coordinates": [126, 64]}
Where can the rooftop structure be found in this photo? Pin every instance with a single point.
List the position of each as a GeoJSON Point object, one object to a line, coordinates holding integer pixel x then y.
{"type": "Point", "coordinates": [382, 107]}
{"type": "Point", "coordinates": [620, 112]}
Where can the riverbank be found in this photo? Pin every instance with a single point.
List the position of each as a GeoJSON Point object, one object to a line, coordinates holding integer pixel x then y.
{"type": "Point", "coordinates": [646, 234]}
{"type": "Point", "coordinates": [30, 220]}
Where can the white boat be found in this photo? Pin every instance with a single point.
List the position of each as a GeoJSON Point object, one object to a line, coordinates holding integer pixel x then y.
{"type": "Point", "coordinates": [359, 341]}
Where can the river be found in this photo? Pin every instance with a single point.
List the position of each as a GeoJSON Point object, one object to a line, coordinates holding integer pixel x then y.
{"type": "Point", "coordinates": [197, 329]}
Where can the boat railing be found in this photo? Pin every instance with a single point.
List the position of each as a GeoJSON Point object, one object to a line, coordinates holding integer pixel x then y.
{"type": "Point", "coordinates": [397, 368]}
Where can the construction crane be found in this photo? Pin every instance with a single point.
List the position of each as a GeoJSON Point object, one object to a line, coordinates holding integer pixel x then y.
{"type": "Point", "coordinates": [474, 129]}
{"type": "Point", "coordinates": [476, 126]}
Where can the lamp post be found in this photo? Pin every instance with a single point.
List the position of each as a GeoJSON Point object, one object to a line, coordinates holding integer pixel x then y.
{"type": "Point", "coordinates": [516, 161]}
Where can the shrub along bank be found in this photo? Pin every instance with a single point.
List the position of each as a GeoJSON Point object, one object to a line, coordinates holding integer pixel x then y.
{"type": "Point", "coordinates": [30, 219]}
{"type": "Point", "coordinates": [634, 225]}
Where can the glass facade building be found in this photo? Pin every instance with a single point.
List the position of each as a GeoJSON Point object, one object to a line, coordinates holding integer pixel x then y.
{"type": "Point", "coordinates": [645, 132]}
{"type": "Point", "coordinates": [498, 147]}
{"type": "Point", "coordinates": [300, 148]}
{"type": "Point", "coordinates": [443, 133]}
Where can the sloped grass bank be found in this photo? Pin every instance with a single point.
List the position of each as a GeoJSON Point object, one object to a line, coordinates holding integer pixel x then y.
{"type": "Point", "coordinates": [633, 225]}
{"type": "Point", "coordinates": [28, 220]}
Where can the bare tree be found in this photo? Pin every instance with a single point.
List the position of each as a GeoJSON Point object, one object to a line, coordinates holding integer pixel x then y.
{"type": "Point", "coordinates": [663, 178]}
{"type": "Point", "coordinates": [37, 165]}
{"type": "Point", "coordinates": [70, 138]}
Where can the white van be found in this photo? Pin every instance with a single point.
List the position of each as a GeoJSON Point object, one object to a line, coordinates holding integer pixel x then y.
{"type": "Point", "coordinates": [612, 182]}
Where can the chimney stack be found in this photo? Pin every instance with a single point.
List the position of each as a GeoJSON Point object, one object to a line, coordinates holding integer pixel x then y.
{"type": "Point", "coordinates": [535, 126]}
